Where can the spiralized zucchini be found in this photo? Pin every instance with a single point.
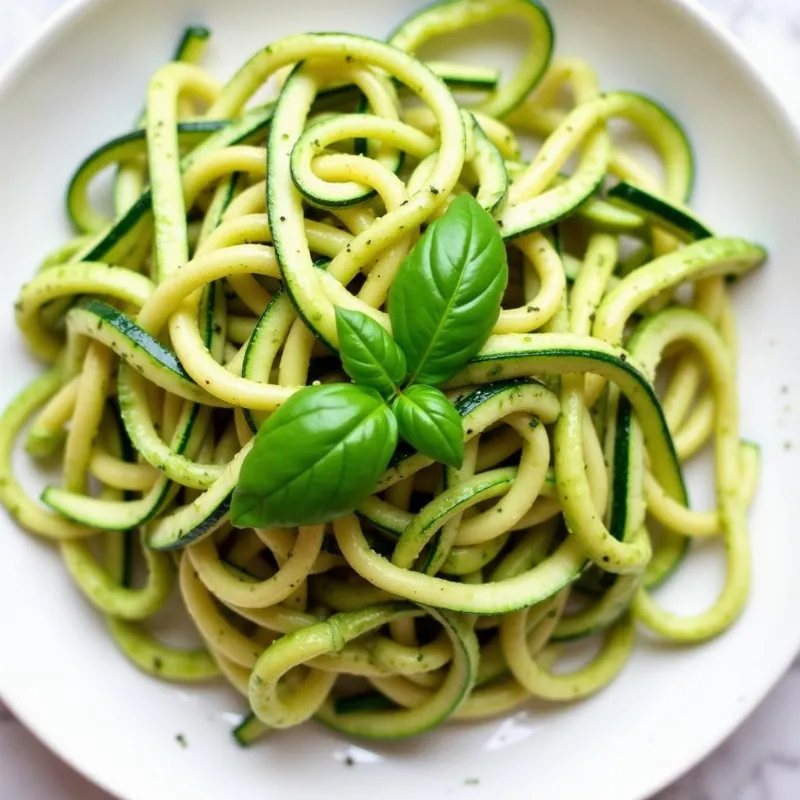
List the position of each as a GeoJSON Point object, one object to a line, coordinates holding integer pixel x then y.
{"type": "Point", "coordinates": [177, 322]}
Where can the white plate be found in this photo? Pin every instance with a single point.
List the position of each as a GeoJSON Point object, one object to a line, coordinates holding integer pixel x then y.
{"type": "Point", "coordinates": [81, 83]}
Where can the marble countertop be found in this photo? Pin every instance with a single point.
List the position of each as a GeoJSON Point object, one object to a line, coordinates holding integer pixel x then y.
{"type": "Point", "coordinates": [761, 761]}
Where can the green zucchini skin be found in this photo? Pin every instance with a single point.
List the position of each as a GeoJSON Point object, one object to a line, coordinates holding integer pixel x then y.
{"type": "Point", "coordinates": [129, 514]}
{"type": "Point", "coordinates": [122, 148]}
{"type": "Point", "coordinates": [659, 211]}
{"type": "Point", "coordinates": [249, 731]}
{"type": "Point", "coordinates": [203, 137]}
{"type": "Point", "coordinates": [513, 355]}
{"type": "Point", "coordinates": [189, 524]}
{"type": "Point", "coordinates": [110, 244]}
{"type": "Point", "coordinates": [393, 724]}
{"type": "Point", "coordinates": [491, 169]}
{"type": "Point", "coordinates": [444, 16]}
{"type": "Point", "coordinates": [192, 43]}
{"type": "Point", "coordinates": [567, 195]}
{"type": "Point", "coordinates": [108, 515]}
{"type": "Point", "coordinates": [136, 347]}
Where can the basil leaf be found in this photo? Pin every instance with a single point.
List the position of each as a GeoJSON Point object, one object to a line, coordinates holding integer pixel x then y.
{"type": "Point", "coordinates": [446, 297]}
{"type": "Point", "coordinates": [316, 458]}
{"type": "Point", "coordinates": [369, 355]}
{"type": "Point", "coordinates": [429, 421]}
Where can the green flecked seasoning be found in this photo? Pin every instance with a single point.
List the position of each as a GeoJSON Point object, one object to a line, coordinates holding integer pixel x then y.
{"type": "Point", "coordinates": [386, 408]}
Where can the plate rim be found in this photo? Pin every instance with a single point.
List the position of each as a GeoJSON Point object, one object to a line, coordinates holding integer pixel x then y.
{"type": "Point", "coordinates": [35, 43]}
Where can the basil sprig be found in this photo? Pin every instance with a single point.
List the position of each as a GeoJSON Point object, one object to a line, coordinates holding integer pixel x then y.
{"type": "Point", "coordinates": [322, 453]}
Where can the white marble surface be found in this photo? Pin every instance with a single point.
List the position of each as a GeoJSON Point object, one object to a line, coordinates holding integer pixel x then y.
{"type": "Point", "coordinates": [761, 761]}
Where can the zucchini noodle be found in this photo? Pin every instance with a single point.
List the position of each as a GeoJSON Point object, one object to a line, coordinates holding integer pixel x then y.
{"type": "Point", "coordinates": [177, 321]}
